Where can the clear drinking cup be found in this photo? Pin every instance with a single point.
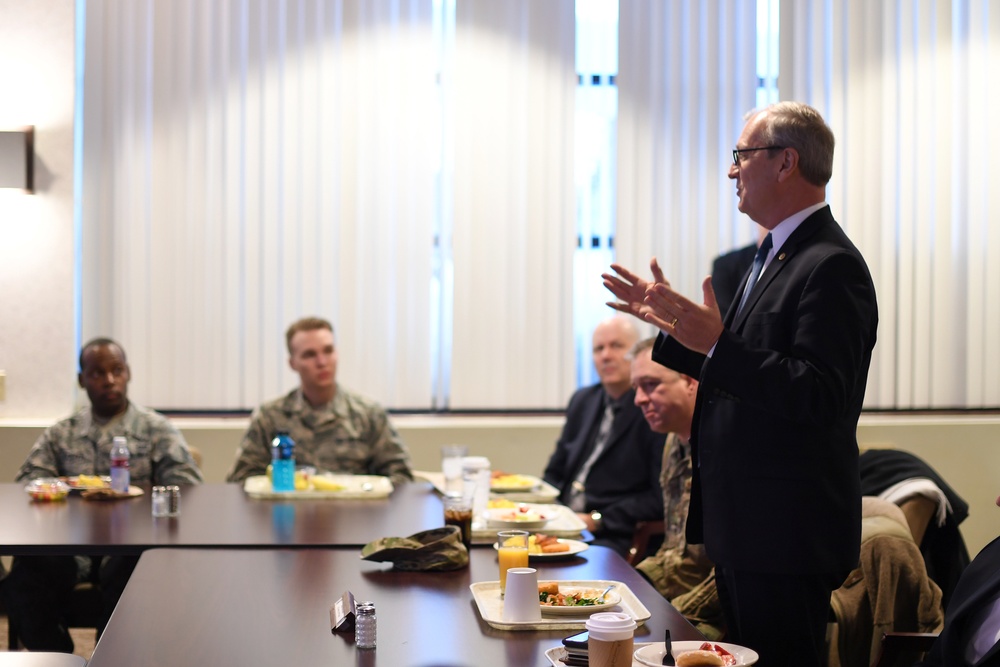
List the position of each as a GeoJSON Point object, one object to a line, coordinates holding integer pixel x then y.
{"type": "Point", "coordinates": [512, 551]}
{"type": "Point", "coordinates": [451, 468]}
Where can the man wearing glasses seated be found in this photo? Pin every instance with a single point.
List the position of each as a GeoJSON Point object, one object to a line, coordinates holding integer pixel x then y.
{"type": "Point", "coordinates": [606, 464]}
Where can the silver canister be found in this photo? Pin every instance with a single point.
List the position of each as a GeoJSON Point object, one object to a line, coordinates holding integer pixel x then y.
{"type": "Point", "coordinates": [166, 501]}
{"type": "Point", "coordinates": [365, 625]}
{"type": "Point", "coordinates": [161, 501]}
{"type": "Point", "coordinates": [174, 496]}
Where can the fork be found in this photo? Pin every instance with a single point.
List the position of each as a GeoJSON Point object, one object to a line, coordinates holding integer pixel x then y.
{"type": "Point", "coordinates": [668, 657]}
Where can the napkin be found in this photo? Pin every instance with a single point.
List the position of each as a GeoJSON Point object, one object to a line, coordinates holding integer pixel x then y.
{"type": "Point", "coordinates": [435, 550]}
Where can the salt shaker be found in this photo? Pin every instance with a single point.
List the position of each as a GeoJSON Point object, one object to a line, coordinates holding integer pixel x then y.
{"type": "Point", "coordinates": [365, 625]}
{"type": "Point", "coordinates": [161, 501]}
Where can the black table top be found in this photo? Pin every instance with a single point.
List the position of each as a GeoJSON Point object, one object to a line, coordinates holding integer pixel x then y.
{"type": "Point", "coordinates": [270, 607]}
{"type": "Point", "coordinates": [212, 516]}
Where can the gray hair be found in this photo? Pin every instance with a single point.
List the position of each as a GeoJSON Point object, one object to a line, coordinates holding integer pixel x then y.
{"type": "Point", "coordinates": [799, 126]}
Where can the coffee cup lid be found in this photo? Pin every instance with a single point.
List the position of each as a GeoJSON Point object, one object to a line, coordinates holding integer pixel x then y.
{"type": "Point", "coordinates": [611, 626]}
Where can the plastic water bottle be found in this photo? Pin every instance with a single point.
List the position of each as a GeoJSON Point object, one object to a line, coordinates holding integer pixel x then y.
{"type": "Point", "coordinates": [119, 465]}
{"type": "Point", "coordinates": [282, 462]}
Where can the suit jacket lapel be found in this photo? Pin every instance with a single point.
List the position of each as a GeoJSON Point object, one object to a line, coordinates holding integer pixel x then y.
{"type": "Point", "coordinates": [785, 253]}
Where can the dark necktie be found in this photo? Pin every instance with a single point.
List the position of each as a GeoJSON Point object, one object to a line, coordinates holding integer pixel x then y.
{"type": "Point", "coordinates": [758, 266]}
{"type": "Point", "coordinates": [578, 498]}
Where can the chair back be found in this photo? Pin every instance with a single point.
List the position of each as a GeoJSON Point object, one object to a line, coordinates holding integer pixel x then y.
{"type": "Point", "coordinates": [903, 649]}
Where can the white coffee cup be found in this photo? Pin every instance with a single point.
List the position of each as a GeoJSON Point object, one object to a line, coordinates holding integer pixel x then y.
{"type": "Point", "coordinates": [520, 602]}
{"type": "Point", "coordinates": [610, 641]}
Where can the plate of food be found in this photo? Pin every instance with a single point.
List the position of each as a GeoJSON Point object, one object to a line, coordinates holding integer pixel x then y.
{"type": "Point", "coordinates": [573, 600]}
{"type": "Point", "coordinates": [548, 547]}
{"type": "Point", "coordinates": [83, 482]}
{"type": "Point", "coordinates": [107, 493]}
{"type": "Point", "coordinates": [502, 482]}
{"type": "Point", "coordinates": [523, 517]}
{"type": "Point", "coordinates": [698, 654]}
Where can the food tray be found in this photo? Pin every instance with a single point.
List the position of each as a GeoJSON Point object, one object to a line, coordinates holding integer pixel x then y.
{"type": "Point", "coordinates": [564, 523]}
{"type": "Point", "coordinates": [542, 493]}
{"type": "Point", "coordinates": [557, 653]}
{"type": "Point", "coordinates": [356, 487]}
{"type": "Point", "coordinates": [487, 597]}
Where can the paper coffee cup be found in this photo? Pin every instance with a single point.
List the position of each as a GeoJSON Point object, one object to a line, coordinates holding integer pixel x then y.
{"type": "Point", "coordinates": [521, 600]}
{"type": "Point", "coordinates": [610, 643]}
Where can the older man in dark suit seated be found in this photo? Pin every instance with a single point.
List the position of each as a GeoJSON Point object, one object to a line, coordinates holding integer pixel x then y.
{"type": "Point", "coordinates": [607, 461]}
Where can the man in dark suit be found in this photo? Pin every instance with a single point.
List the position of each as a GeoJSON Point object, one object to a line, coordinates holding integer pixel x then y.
{"type": "Point", "coordinates": [971, 634]}
{"type": "Point", "coordinates": [775, 490]}
{"type": "Point", "coordinates": [607, 461]}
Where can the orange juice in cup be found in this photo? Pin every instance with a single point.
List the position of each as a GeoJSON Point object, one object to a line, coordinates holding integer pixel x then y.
{"type": "Point", "coordinates": [512, 551]}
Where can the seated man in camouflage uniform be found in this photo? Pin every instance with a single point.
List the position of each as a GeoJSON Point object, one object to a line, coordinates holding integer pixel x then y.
{"type": "Point", "coordinates": [37, 587]}
{"type": "Point", "coordinates": [334, 430]}
{"type": "Point", "coordinates": [680, 571]}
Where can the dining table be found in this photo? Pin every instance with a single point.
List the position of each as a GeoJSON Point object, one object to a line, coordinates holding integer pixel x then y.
{"type": "Point", "coordinates": [211, 607]}
{"type": "Point", "coordinates": [212, 515]}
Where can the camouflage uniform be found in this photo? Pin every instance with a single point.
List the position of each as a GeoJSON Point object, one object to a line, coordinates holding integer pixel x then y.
{"type": "Point", "coordinates": [681, 572]}
{"type": "Point", "coordinates": [38, 588]}
{"type": "Point", "coordinates": [351, 434]}
{"type": "Point", "coordinates": [79, 445]}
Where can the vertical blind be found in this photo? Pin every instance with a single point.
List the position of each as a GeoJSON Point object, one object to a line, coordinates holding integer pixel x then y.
{"type": "Point", "coordinates": [514, 221]}
{"type": "Point", "coordinates": [687, 76]}
{"type": "Point", "coordinates": [248, 163]}
{"type": "Point", "coordinates": [908, 88]}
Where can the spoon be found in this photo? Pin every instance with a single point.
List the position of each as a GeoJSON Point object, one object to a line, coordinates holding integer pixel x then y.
{"type": "Point", "coordinates": [605, 593]}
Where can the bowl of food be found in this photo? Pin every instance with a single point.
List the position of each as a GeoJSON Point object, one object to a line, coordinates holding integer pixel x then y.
{"type": "Point", "coordinates": [521, 517]}
{"type": "Point", "coordinates": [47, 489]}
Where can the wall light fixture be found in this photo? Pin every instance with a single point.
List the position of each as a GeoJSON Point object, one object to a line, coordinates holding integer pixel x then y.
{"type": "Point", "coordinates": [17, 159]}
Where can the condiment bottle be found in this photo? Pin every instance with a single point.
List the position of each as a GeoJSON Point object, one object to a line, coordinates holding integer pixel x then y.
{"type": "Point", "coordinates": [365, 625]}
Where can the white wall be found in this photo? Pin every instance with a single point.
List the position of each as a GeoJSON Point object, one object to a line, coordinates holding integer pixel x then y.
{"type": "Point", "coordinates": [36, 231]}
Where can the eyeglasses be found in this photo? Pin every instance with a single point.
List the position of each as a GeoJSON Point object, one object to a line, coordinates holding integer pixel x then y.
{"type": "Point", "coordinates": [737, 151]}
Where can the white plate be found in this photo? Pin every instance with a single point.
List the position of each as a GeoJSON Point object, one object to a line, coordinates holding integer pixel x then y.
{"type": "Point", "coordinates": [520, 483]}
{"type": "Point", "coordinates": [354, 487]}
{"type": "Point", "coordinates": [611, 600]}
{"type": "Point", "coordinates": [653, 654]}
{"type": "Point", "coordinates": [575, 547]}
{"type": "Point", "coordinates": [533, 519]}
{"type": "Point", "coordinates": [74, 483]}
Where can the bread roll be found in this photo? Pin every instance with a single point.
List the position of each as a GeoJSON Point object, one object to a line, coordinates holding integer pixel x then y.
{"type": "Point", "coordinates": [699, 658]}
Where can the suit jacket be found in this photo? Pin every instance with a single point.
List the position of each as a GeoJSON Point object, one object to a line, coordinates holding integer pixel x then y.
{"type": "Point", "coordinates": [943, 547]}
{"type": "Point", "coordinates": [728, 273]}
{"type": "Point", "coordinates": [979, 583]}
{"type": "Point", "coordinates": [624, 482]}
{"type": "Point", "coordinates": [774, 434]}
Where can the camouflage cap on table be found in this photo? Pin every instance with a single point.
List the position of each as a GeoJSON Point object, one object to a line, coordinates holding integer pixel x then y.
{"type": "Point", "coordinates": [438, 549]}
